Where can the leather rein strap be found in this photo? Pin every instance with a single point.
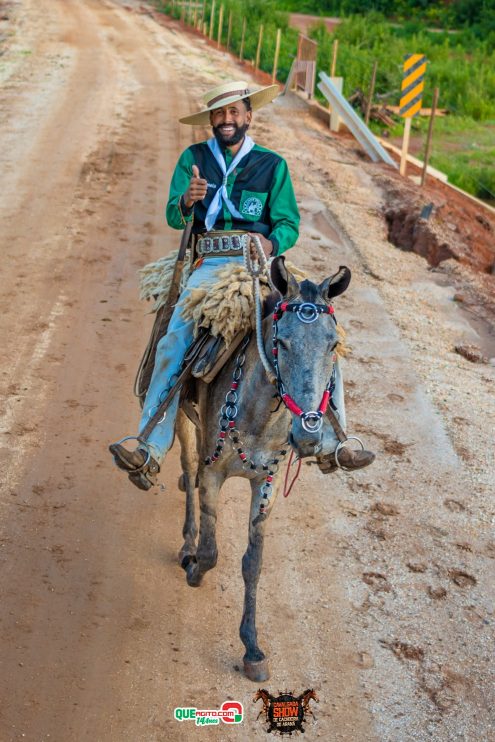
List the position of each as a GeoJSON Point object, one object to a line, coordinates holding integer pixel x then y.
{"type": "Point", "coordinates": [174, 291]}
{"type": "Point", "coordinates": [162, 321]}
{"type": "Point", "coordinates": [339, 431]}
{"type": "Point", "coordinates": [173, 296]}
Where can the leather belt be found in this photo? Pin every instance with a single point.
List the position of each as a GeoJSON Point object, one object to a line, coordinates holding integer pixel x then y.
{"type": "Point", "coordinates": [220, 244]}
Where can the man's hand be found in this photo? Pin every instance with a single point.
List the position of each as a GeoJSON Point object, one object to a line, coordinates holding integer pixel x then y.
{"type": "Point", "coordinates": [267, 245]}
{"type": "Point", "coordinates": [197, 188]}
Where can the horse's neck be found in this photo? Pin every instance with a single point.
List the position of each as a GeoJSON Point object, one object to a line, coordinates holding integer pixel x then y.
{"type": "Point", "coordinates": [259, 396]}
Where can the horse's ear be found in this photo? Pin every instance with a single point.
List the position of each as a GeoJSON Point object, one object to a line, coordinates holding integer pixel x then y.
{"type": "Point", "coordinates": [336, 284]}
{"type": "Point", "coordinates": [282, 278]}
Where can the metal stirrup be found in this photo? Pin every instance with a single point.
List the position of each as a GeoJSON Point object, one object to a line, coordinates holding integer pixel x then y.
{"type": "Point", "coordinates": [342, 445]}
{"type": "Point", "coordinates": [144, 445]}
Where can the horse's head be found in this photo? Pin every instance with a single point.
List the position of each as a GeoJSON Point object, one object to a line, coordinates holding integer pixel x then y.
{"type": "Point", "coordinates": [309, 695]}
{"type": "Point", "coordinates": [263, 694]}
{"type": "Point", "coordinates": [304, 351]}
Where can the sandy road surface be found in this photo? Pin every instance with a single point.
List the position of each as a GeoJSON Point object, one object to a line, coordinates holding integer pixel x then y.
{"type": "Point", "coordinates": [376, 589]}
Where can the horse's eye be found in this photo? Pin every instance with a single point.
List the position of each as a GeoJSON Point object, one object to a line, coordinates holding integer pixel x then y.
{"type": "Point", "coordinates": [284, 344]}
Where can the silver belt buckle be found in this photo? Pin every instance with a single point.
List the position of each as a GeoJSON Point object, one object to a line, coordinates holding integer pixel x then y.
{"type": "Point", "coordinates": [205, 246]}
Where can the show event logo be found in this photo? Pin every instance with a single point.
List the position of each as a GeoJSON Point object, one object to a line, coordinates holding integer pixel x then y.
{"type": "Point", "coordinates": [230, 712]}
{"type": "Point", "coordinates": [285, 713]}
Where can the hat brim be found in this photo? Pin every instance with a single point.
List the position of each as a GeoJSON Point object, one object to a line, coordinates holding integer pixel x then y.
{"type": "Point", "coordinates": [258, 98]}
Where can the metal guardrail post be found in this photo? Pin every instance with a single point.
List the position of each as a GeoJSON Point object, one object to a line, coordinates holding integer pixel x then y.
{"type": "Point", "coordinates": [355, 125]}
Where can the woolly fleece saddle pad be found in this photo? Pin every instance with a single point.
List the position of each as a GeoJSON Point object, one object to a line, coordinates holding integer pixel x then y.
{"type": "Point", "coordinates": [225, 307]}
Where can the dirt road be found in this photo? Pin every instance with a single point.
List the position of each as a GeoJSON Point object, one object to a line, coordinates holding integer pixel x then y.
{"type": "Point", "coordinates": [377, 586]}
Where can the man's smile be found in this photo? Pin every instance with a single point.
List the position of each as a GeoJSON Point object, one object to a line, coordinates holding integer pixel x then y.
{"type": "Point", "coordinates": [228, 129]}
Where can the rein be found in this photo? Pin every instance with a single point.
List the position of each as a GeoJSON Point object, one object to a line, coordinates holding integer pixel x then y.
{"type": "Point", "coordinates": [256, 267]}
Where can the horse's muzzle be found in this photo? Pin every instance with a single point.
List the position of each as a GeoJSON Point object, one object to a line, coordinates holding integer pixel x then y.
{"type": "Point", "coordinates": [305, 443]}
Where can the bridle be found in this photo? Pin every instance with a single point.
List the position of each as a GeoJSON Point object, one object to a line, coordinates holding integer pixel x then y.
{"type": "Point", "coordinates": [312, 421]}
{"type": "Point", "coordinates": [306, 312]}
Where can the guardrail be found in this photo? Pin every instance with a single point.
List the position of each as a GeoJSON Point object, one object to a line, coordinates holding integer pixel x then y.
{"type": "Point", "coordinates": [356, 126]}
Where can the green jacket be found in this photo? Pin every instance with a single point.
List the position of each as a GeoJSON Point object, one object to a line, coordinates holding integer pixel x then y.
{"type": "Point", "coordinates": [260, 188]}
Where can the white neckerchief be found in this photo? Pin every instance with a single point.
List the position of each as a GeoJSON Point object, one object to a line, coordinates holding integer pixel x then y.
{"type": "Point", "coordinates": [221, 195]}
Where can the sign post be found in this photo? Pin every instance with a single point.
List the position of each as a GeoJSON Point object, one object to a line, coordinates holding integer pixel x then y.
{"type": "Point", "coordinates": [411, 98]}
{"type": "Point", "coordinates": [430, 134]}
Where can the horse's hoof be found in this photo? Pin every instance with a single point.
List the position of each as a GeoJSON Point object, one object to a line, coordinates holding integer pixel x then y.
{"type": "Point", "coordinates": [193, 575]}
{"type": "Point", "coordinates": [185, 559]}
{"type": "Point", "coordinates": [256, 671]}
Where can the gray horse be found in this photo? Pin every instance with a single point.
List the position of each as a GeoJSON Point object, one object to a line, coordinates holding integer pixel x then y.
{"type": "Point", "coordinates": [244, 432]}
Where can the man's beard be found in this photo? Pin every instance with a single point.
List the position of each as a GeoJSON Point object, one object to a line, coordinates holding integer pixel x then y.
{"type": "Point", "coordinates": [236, 137]}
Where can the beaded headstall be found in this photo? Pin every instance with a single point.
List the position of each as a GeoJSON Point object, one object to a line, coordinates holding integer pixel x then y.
{"type": "Point", "coordinates": [307, 313]}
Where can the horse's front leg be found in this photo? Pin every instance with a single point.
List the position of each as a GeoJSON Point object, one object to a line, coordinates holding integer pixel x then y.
{"type": "Point", "coordinates": [255, 663]}
{"type": "Point", "coordinates": [186, 432]}
{"type": "Point", "coordinates": [210, 481]}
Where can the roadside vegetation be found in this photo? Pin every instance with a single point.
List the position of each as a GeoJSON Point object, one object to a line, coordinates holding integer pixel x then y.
{"type": "Point", "coordinates": [475, 16]}
{"type": "Point", "coordinates": [461, 62]}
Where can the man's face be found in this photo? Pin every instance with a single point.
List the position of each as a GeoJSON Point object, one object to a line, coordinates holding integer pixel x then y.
{"type": "Point", "coordinates": [230, 123]}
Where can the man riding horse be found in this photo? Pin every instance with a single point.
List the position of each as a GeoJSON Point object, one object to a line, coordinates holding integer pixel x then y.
{"type": "Point", "coordinates": [229, 187]}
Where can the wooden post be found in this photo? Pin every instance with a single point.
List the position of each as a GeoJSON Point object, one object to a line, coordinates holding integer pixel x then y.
{"type": "Point", "coordinates": [212, 20]}
{"type": "Point", "coordinates": [371, 93]}
{"type": "Point", "coordinates": [299, 45]}
{"type": "Point", "coordinates": [258, 50]}
{"type": "Point", "coordinates": [182, 13]}
{"type": "Point", "coordinates": [243, 35]}
{"type": "Point", "coordinates": [229, 31]}
{"type": "Point", "coordinates": [430, 133]}
{"type": "Point", "coordinates": [335, 49]}
{"type": "Point", "coordinates": [277, 52]}
{"type": "Point", "coordinates": [220, 25]}
{"type": "Point", "coordinates": [405, 145]}
{"type": "Point", "coordinates": [205, 29]}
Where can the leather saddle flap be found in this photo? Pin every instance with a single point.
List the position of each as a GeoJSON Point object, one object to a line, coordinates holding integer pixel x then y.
{"type": "Point", "coordinates": [213, 356]}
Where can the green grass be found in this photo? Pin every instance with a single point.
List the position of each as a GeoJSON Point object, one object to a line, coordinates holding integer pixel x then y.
{"type": "Point", "coordinates": [462, 148]}
{"type": "Point", "coordinates": [464, 75]}
{"type": "Point", "coordinates": [465, 150]}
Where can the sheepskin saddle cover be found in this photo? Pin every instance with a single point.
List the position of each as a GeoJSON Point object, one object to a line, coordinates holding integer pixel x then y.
{"type": "Point", "coordinates": [225, 307]}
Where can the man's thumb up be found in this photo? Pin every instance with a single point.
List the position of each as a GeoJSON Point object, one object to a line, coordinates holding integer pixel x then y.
{"type": "Point", "coordinates": [197, 188]}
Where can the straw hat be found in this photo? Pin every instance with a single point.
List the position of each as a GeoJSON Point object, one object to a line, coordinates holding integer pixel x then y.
{"type": "Point", "coordinates": [230, 92]}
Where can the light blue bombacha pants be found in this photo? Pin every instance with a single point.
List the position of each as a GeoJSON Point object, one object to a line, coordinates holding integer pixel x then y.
{"type": "Point", "coordinates": [170, 353]}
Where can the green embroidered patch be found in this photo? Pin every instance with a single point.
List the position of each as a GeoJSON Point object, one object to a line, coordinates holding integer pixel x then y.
{"type": "Point", "coordinates": [251, 206]}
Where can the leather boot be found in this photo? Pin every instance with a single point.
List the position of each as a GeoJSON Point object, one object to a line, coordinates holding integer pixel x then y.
{"type": "Point", "coordinates": [142, 473]}
{"type": "Point", "coordinates": [349, 460]}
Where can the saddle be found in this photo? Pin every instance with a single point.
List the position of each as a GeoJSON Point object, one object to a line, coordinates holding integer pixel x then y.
{"type": "Point", "coordinates": [212, 356]}
{"type": "Point", "coordinates": [206, 355]}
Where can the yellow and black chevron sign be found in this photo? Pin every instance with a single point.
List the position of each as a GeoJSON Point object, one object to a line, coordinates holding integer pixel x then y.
{"type": "Point", "coordinates": [412, 85]}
